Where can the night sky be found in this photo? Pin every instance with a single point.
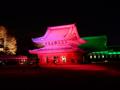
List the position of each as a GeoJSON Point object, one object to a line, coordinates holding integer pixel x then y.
{"type": "Point", "coordinates": [91, 19]}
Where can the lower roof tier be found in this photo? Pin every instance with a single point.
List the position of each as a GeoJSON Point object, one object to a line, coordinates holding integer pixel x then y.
{"type": "Point", "coordinates": [36, 51]}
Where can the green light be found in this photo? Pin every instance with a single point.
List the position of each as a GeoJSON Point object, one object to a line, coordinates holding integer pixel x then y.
{"type": "Point", "coordinates": [95, 43]}
{"type": "Point", "coordinates": [118, 52]}
{"type": "Point", "coordinates": [110, 53]}
{"type": "Point", "coordinates": [114, 53]}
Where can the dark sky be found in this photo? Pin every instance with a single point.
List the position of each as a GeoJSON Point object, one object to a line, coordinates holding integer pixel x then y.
{"type": "Point", "coordinates": [91, 18]}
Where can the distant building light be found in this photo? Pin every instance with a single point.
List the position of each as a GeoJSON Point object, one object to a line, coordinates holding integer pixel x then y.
{"type": "Point", "coordinates": [103, 56]}
{"type": "Point", "coordinates": [1, 49]}
{"type": "Point", "coordinates": [90, 56]}
{"type": "Point", "coordinates": [94, 56]}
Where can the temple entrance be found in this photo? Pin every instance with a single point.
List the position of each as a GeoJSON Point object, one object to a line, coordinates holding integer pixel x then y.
{"type": "Point", "coordinates": [55, 59]}
{"type": "Point", "coordinates": [51, 59]}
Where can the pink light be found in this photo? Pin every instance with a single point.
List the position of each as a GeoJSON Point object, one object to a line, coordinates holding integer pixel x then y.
{"type": "Point", "coordinates": [59, 33]}
{"type": "Point", "coordinates": [59, 41]}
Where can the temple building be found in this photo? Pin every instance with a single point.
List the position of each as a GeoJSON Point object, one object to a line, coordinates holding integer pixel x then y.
{"type": "Point", "coordinates": [59, 45]}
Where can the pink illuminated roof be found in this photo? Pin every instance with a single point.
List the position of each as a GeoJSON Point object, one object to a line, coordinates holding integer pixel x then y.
{"type": "Point", "coordinates": [59, 33]}
{"type": "Point", "coordinates": [56, 37]}
{"type": "Point", "coordinates": [56, 32]}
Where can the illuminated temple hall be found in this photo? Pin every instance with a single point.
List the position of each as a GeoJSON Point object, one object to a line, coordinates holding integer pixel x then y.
{"type": "Point", "coordinates": [59, 45]}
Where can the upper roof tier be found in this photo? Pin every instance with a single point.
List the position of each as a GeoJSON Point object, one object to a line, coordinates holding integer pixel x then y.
{"type": "Point", "coordinates": [64, 32]}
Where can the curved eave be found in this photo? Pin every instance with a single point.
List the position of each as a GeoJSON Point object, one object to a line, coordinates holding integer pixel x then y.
{"type": "Point", "coordinates": [36, 51]}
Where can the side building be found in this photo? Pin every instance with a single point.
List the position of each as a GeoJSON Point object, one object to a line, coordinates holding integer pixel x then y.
{"type": "Point", "coordinates": [98, 50]}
